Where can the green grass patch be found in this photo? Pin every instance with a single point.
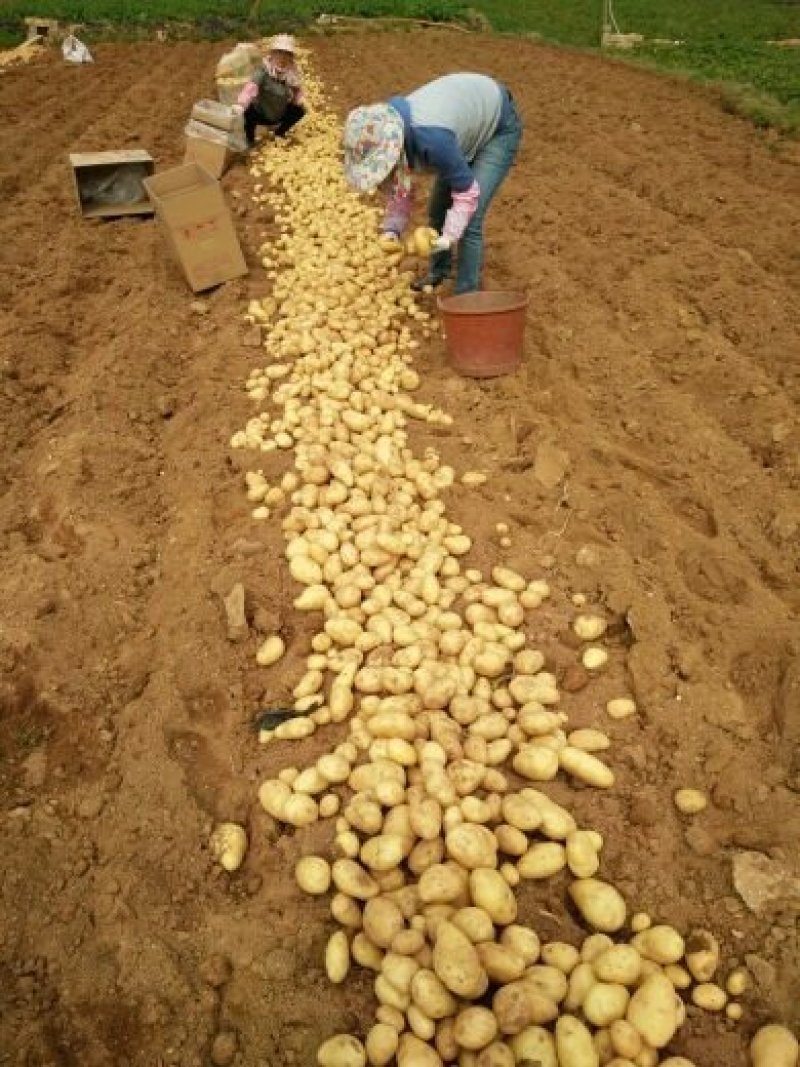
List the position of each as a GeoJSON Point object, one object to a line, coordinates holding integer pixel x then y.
{"type": "Point", "coordinates": [722, 41]}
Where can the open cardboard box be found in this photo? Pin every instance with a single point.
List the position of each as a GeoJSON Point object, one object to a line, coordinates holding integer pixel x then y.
{"type": "Point", "coordinates": [110, 184]}
{"type": "Point", "coordinates": [214, 156]}
{"type": "Point", "coordinates": [197, 224]}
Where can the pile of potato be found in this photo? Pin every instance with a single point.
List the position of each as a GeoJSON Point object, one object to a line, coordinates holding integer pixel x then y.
{"type": "Point", "coordinates": [425, 658]}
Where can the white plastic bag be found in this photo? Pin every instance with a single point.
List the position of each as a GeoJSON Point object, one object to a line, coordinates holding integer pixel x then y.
{"type": "Point", "coordinates": [235, 70]}
{"type": "Point", "coordinates": [75, 51]}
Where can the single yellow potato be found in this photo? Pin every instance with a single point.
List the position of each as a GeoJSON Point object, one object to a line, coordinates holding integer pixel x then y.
{"type": "Point", "coordinates": [228, 845]}
{"type": "Point", "coordinates": [653, 1010]}
{"type": "Point", "coordinates": [690, 801]}
{"type": "Point", "coordinates": [313, 875]}
{"type": "Point", "coordinates": [342, 1050]}
{"type": "Point", "coordinates": [774, 1046]}
{"type": "Point", "coordinates": [600, 904]}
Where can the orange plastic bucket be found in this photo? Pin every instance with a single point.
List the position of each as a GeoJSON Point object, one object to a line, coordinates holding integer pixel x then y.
{"type": "Point", "coordinates": [484, 331]}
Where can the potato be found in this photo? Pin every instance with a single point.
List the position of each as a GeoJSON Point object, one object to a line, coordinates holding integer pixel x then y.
{"type": "Point", "coordinates": [557, 823]}
{"type": "Point", "coordinates": [523, 941]}
{"type": "Point", "coordinates": [381, 1044]}
{"type": "Point", "coordinates": [661, 943]}
{"type": "Point", "coordinates": [582, 857]}
{"type": "Point", "coordinates": [382, 920]}
{"type": "Point", "coordinates": [589, 740]}
{"type": "Point", "coordinates": [559, 954]}
{"type": "Point", "coordinates": [337, 957]}
{"type": "Point", "coordinates": [738, 982]}
{"type": "Point", "coordinates": [412, 1052]}
{"type": "Point", "coordinates": [431, 995]}
{"type": "Point", "coordinates": [774, 1046]}
{"type": "Point", "coordinates": [475, 923]}
{"type": "Point", "coordinates": [521, 812]}
{"type": "Point", "coordinates": [345, 911]}
{"type": "Point", "coordinates": [350, 877]}
{"type": "Point", "coordinates": [342, 1050]}
{"type": "Point", "coordinates": [605, 1002]}
{"type": "Point", "coordinates": [228, 845]}
{"type": "Point", "coordinates": [536, 1045]}
{"type": "Point", "coordinates": [690, 801]}
{"type": "Point", "coordinates": [709, 997]}
{"type": "Point", "coordinates": [498, 1054]}
{"type": "Point", "coordinates": [518, 1005]}
{"type": "Point", "coordinates": [574, 1044]}
{"type": "Point", "coordinates": [425, 854]}
{"type": "Point", "coordinates": [621, 708]}
{"type": "Point", "coordinates": [419, 1023]}
{"type": "Point", "coordinates": [365, 953]}
{"type": "Point", "coordinates": [600, 904]}
{"type": "Point", "coordinates": [490, 891]}
{"type": "Point", "coordinates": [594, 658]}
{"type": "Point", "coordinates": [270, 651]}
{"type": "Point", "coordinates": [581, 980]}
{"type": "Point", "coordinates": [586, 767]}
{"type": "Point", "coordinates": [441, 883]}
{"type": "Point", "coordinates": [501, 963]}
{"type": "Point", "coordinates": [542, 860]}
{"type": "Point", "coordinates": [457, 964]}
{"type": "Point", "coordinates": [510, 840]}
{"type": "Point", "coordinates": [475, 1028]}
{"type": "Point", "coordinates": [626, 1040]}
{"type": "Point", "coordinates": [389, 995]}
{"type": "Point", "coordinates": [399, 971]}
{"type": "Point", "coordinates": [653, 1010]}
{"type": "Point", "coordinates": [619, 964]}
{"type": "Point", "coordinates": [313, 875]}
{"type": "Point", "coordinates": [383, 852]}
{"type": "Point", "coordinates": [472, 846]}
{"type": "Point", "coordinates": [589, 627]}
{"type": "Point", "coordinates": [702, 955]}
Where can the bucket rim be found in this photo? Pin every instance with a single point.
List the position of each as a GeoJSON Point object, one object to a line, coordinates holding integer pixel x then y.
{"type": "Point", "coordinates": [518, 299]}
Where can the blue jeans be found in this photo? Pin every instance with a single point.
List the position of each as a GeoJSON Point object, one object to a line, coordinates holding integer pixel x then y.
{"type": "Point", "coordinates": [490, 167]}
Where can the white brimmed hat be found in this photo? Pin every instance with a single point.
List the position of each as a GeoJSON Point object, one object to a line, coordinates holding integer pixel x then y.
{"type": "Point", "coordinates": [283, 42]}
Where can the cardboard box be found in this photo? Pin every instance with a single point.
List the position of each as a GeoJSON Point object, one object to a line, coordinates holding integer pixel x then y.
{"type": "Point", "coordinates": [215, 156]}
{"type": "Point", "coordinates": [110, 184]}
{"type": "Point", "coordinates": [191, 208]}
{"type": "Point", "coordinates": [213, 113]}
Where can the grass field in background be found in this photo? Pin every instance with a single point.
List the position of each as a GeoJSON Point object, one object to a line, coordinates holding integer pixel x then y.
{"type": "Point", "coordinates": [722, 41]}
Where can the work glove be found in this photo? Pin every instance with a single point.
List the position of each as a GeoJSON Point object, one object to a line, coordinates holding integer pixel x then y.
{"type": "Point", "coordinates": [441, 244]}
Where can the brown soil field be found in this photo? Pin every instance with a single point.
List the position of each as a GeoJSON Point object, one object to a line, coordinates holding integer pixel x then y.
{"type": "Point", "coordinates": [660, 241]}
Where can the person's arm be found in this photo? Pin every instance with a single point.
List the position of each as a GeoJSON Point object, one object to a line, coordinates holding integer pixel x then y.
{"type": "Point", "coordinates": [249, 92]}
{"type": "Point", "coordinates": [439, 151]}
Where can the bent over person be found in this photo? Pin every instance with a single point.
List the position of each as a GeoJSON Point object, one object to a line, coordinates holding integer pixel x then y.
{"type": "Point", "coordinates": [462, 128]}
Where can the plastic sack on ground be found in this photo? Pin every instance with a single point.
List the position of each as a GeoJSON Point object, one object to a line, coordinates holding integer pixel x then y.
{"type": "Point", "coordinates": [235, 69]}
{"type": "Point", "coordinates": [75, 51]}
{"type": "Point", "coordinates": [118, 186]}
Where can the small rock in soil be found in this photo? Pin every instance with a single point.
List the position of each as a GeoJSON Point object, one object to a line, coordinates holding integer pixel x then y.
{"type": "Point", "coordinates": [551, 465]}
{"type": "Point", "coordinates": [761, 881]}
{"type": "Point", "coordinates": [216, 971]}
{"type": "Point", "coordinates": [90, 807]}
{"type": "Point", "coordinates": [235, 613]}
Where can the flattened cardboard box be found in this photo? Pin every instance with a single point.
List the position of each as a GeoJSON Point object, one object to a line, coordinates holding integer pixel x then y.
{"type": "Point", "coordinates": [197, 224]}
{"type": "Point", "coordinates": [214, 156]}
{"type": "Point", "coordinates": [110, 184]}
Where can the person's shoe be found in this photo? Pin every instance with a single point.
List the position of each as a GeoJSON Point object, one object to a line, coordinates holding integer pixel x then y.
{"type": "Point", "coordinates": [432, 280]}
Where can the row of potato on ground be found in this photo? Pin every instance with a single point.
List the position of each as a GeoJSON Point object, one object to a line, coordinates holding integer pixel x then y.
{"type": "Point", "coordinates": [427, 661]}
